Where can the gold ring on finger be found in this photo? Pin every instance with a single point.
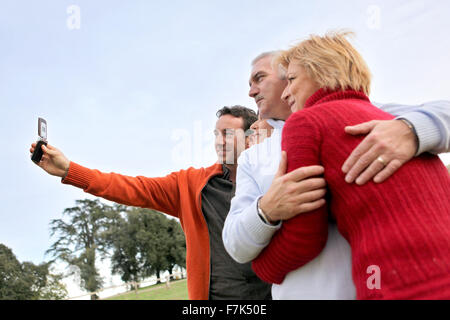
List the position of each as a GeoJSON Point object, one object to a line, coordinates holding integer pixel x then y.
{"type": "Point", "coordinates": [380, 158]}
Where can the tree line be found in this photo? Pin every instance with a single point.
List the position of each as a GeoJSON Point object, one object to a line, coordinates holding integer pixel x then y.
{"type": "Point", "coordinates": [139, 242]}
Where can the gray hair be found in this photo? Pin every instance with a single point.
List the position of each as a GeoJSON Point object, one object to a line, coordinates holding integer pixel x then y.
{"type": "Point", "coordinates": [272, 54]}
{"type": "Point", "coordinates": [281, 72]}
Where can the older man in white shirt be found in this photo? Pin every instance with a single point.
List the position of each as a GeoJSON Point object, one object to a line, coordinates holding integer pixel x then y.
{"type": "Point", "coordinates": [265, 195]}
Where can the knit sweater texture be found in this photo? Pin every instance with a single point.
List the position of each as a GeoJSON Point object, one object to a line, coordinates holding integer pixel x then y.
{"type": "Point", "coordinates": [399, 230]}
{"type": "Point", "coordinates": [177, 194]}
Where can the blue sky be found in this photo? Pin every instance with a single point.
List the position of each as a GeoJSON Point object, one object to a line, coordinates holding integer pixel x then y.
{"type": "Point", "coordinates": [141, 80]}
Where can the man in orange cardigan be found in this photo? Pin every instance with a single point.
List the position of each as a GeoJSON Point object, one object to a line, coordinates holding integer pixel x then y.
{"type": "Point", "coordinates": [199, 198]}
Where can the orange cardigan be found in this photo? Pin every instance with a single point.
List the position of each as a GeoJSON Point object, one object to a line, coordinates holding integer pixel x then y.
{"type": "Point", "coordinates": [177, 194]}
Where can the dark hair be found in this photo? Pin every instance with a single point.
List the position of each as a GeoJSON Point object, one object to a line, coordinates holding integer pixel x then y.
{"type": "Point", "coordinates": [248, 115]}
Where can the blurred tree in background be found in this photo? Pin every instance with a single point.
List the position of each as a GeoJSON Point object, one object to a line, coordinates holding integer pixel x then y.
{"type": "Point", "coordinates": [27, 281]}
{"type": "Point", "coordinates": [139, 242]}
{"type": "Point", "coordinates": [177, 245]}
{"type": "Point", "coordinates": [145, 242]}
{"type": "Point", "coordinates": [80, 240]}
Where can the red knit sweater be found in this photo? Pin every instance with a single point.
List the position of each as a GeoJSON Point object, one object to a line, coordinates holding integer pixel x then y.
{"type": "Point", "coordinates": [401, 226]}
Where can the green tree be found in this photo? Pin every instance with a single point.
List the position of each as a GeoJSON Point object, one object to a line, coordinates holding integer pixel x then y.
{"type": "Point", "coordinates": [13, 285]}
{"type": "Point", "coordinates": [177, 245]}
{"type": "Point", "coordinates": [80, 239]}
{"type": "Point", "coordinates": [27, 281]}
{"type": "Point", "coordinates": [44, 284]}
{"type": "Point", "coordinates": [121, 239]}
{"type": "Point", "coordinates": [153, 240]}
{"type": "Point", "coordinates": [35, 276]}
{"type": "Point", "coordinates": [54, 288]}
{"type": "Point", "coordinates": [145, 242]}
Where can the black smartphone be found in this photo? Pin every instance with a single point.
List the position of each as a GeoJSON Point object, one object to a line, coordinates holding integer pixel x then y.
{"type": "Point", "coordinates": [42, 133]}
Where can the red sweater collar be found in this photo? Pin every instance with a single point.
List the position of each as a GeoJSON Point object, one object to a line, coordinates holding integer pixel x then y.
{"type": "Point", "coordinates": [325, 95]}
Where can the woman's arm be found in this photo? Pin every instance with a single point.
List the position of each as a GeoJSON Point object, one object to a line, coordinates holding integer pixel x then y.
{"type": "Point", "coordinates": [302, 238]}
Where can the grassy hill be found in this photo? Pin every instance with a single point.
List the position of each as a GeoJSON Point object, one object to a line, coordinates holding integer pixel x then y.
{"type": "Point", "coordinates": [177, 291]}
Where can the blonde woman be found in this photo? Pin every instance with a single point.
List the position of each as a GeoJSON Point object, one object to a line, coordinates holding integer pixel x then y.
{"type": "Point", "coordinates": [399, 230]}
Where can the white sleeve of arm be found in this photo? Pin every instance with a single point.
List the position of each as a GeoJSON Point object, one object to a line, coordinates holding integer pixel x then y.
{"type": "Point", "coordinates": [431, 121]}
{"type": "Point", "coordinates": [244, 233]}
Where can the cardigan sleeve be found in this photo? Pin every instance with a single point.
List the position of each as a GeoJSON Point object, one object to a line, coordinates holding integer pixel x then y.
{"type": "Point", "coordinates": [303, 237]}
{"type": "Point", "coordinates": [161, 194]}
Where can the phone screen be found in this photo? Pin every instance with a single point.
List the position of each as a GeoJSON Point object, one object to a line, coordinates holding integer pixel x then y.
{"type": "Point", "coordinates": [42, 128]}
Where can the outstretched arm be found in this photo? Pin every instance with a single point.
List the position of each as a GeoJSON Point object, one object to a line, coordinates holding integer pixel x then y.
{"type": "Point", "coordinates": [155, 193]}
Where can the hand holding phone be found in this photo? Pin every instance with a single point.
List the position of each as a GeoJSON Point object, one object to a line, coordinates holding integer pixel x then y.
{"type": "Point", "coordinates": [50, 159]}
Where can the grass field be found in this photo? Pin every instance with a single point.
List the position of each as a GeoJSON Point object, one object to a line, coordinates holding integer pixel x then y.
{"type": "Point", "coordinates": [177, 291]}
